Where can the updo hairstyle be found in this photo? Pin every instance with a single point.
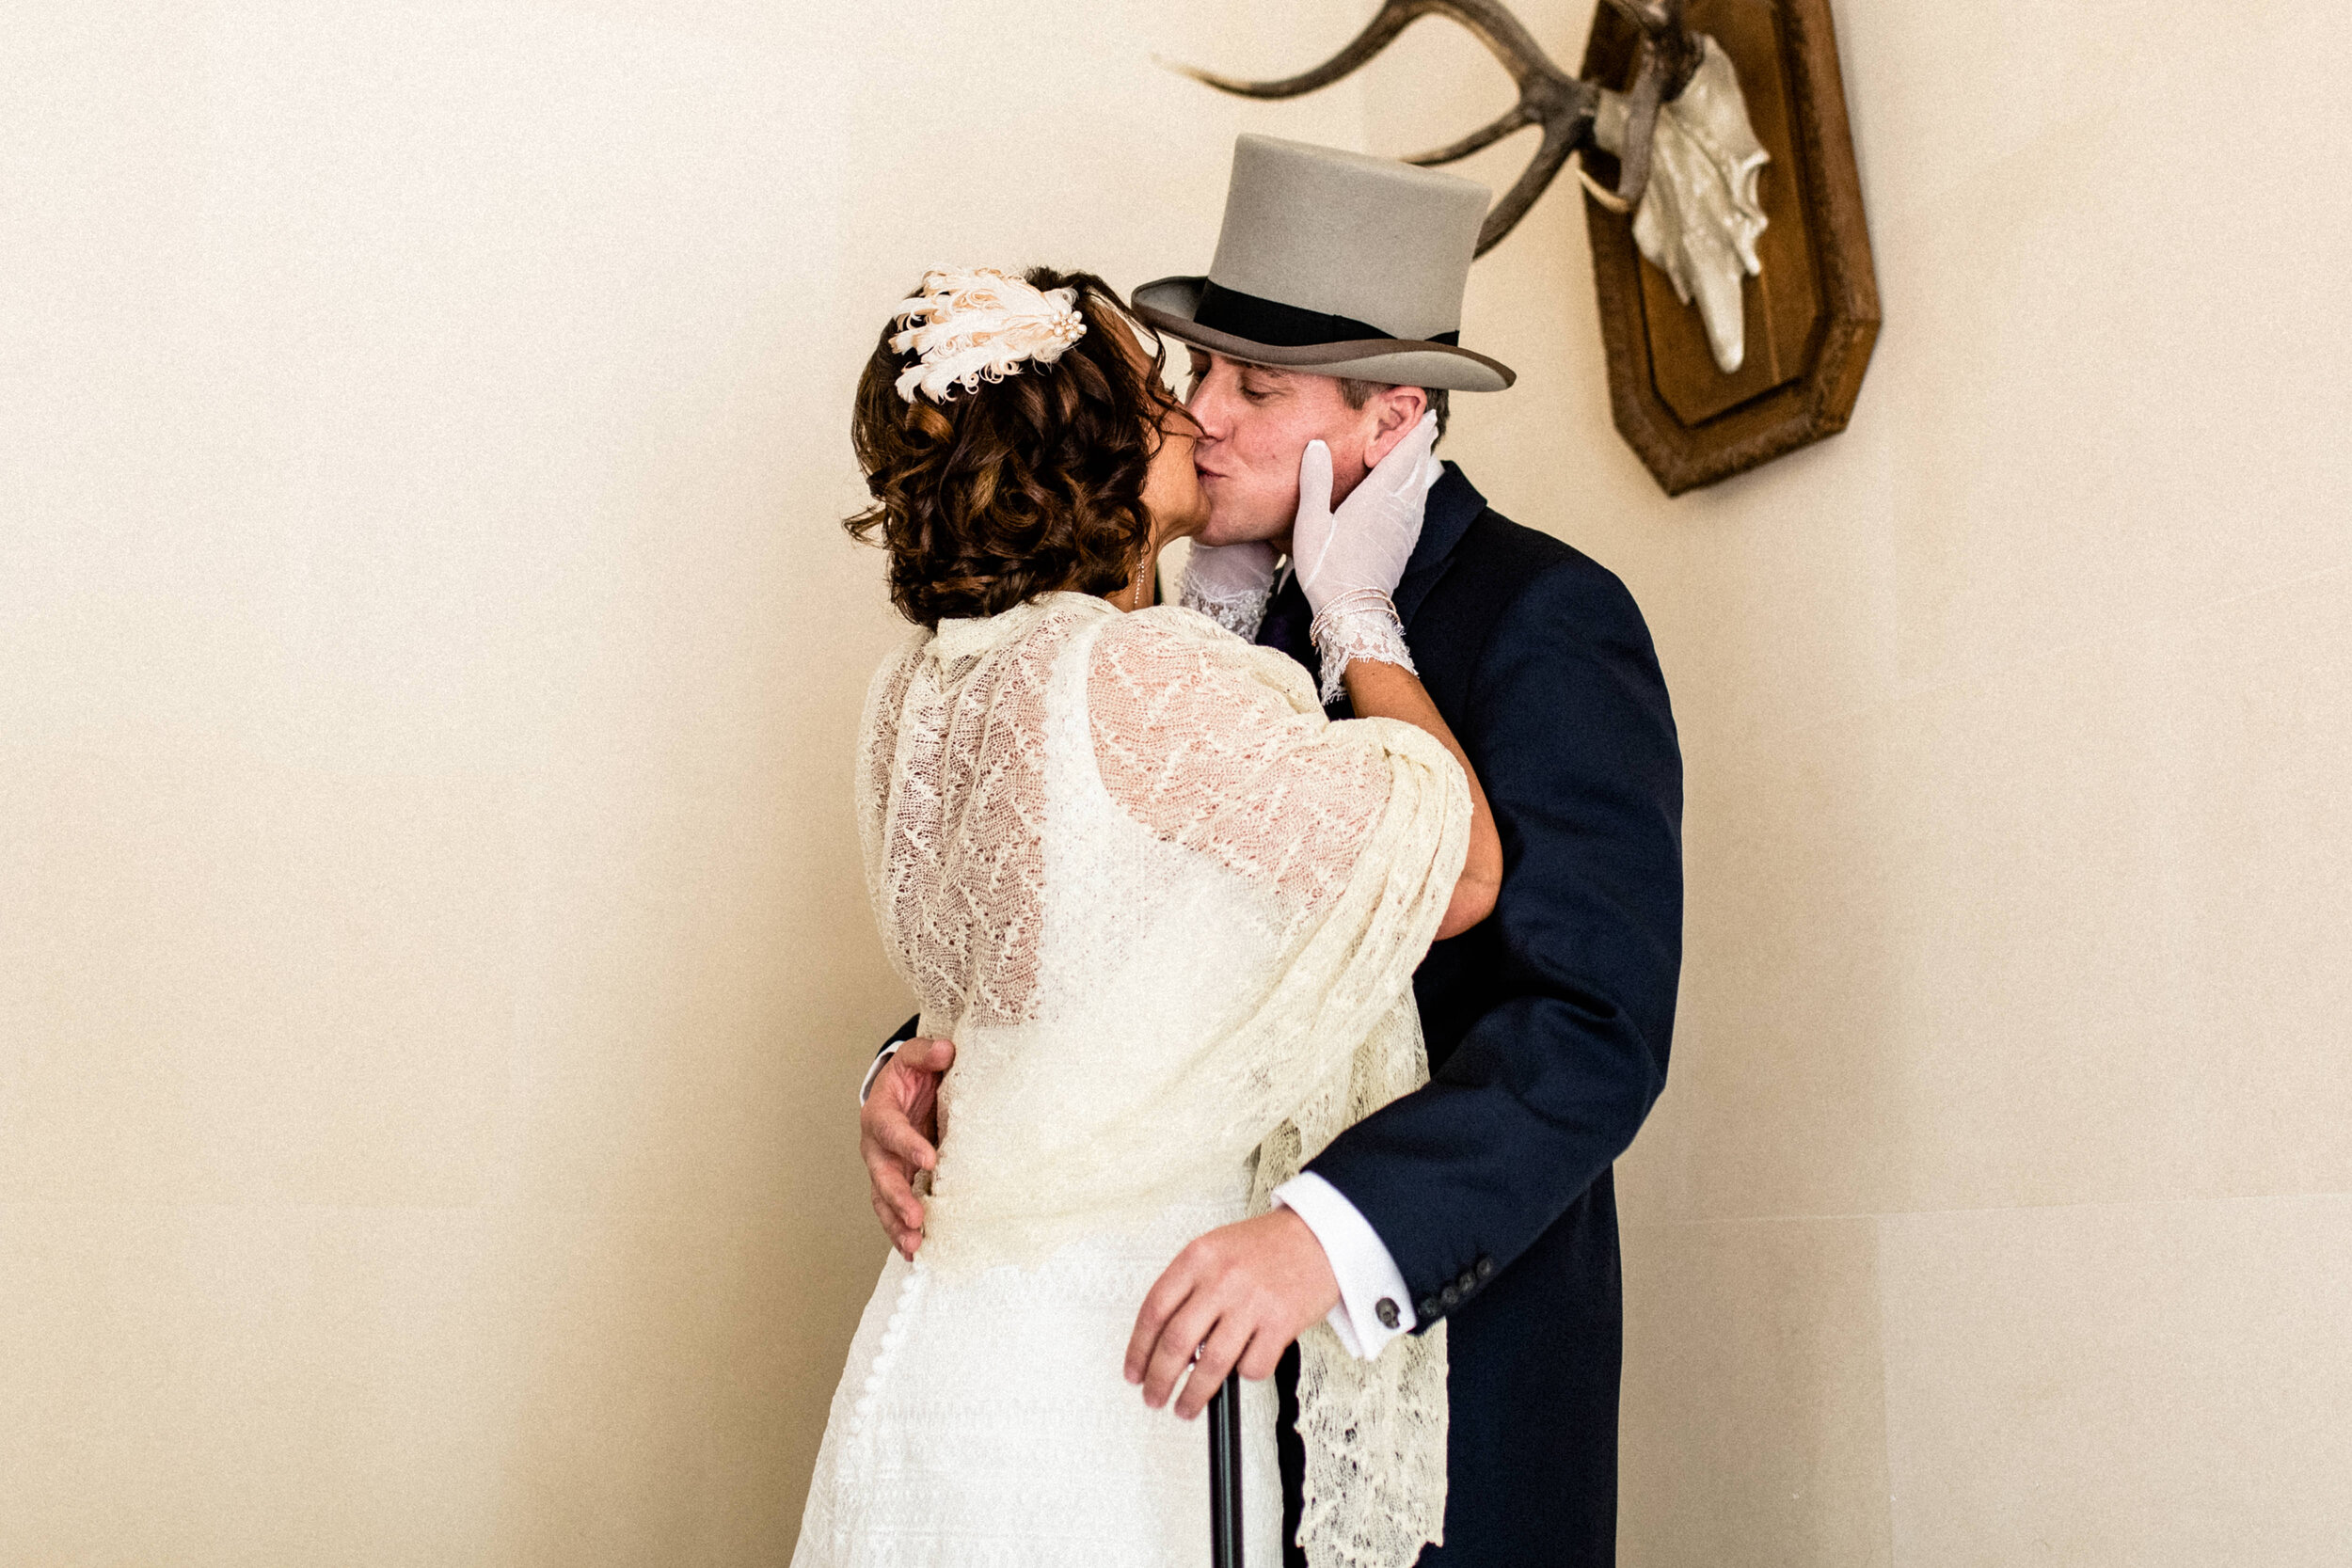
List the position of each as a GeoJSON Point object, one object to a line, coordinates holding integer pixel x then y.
{"type": "Point", "coordinates": [1020, 486]}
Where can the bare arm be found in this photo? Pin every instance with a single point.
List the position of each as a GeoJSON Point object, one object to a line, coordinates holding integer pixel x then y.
{"type": "Point", "coordinates": [1390, 691]}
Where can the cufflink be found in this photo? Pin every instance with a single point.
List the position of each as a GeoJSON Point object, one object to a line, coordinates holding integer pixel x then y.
{"type": "Point", "coordinates": [1386, 1311]}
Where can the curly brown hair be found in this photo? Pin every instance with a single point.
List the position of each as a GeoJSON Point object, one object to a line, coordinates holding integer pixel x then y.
{"type": "Point", "coordinates": [1023, 486]}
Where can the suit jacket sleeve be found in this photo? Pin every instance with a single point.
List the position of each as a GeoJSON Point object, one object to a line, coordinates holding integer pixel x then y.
{"type": "Point", "coordinates": [873, 1069]}
{"type": "Point", "coordinates": [1566, 718]}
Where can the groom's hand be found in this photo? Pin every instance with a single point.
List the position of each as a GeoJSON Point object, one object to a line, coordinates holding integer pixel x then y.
{"type": "Point", "coordinates": [1239, 1294]}
{"type": "Point", "coordinates": [898, 1133]}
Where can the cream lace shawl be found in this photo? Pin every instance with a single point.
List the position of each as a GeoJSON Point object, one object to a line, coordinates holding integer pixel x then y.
{"type": "Point", "coordinates": [1170, 914]}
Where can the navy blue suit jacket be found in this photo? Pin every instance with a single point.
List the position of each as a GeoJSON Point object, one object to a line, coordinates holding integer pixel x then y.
{"type": "Point", "coordinates": [1547, 1026]}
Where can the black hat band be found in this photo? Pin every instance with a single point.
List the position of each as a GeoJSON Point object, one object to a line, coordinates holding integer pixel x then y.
{"type": "Point", "coordinates": [1279, 326]}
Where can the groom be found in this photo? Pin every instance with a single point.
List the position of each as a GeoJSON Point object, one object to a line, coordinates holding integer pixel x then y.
{"type": "Point", "coordinates": [1483, 1199]}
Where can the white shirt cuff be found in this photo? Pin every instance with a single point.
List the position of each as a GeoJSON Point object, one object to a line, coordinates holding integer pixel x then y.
{"type": "Point", "coordinates": [875, 1072]}
{"type": "Point", "coordinates": [1375, 1308]}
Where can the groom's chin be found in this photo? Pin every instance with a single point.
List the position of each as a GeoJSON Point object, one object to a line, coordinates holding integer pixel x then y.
{"type": "Point", "coordinates": [1225, 528]}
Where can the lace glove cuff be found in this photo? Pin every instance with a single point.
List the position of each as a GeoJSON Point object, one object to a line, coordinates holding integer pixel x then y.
{"type": "Point", "coordinates": [1359, 623]}
{"type": "Point", "coordinates": [1238, 613]}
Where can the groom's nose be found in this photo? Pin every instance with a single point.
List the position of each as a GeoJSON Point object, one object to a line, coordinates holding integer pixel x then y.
{"type": "Point", "coordinates": [1209, 410]}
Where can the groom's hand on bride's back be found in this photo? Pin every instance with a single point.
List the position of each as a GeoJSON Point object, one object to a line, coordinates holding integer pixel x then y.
{"type": "Point", "coordinates": [899, 1135]}
{"type": "Point", "coordinates": [1241, 1294]}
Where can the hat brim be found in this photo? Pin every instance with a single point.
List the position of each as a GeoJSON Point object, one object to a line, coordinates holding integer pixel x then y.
{"type": "Point", "coordinates": [1167, 304]}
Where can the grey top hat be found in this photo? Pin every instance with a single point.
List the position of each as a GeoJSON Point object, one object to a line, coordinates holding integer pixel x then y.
{"type": "Point", "coordinates": [1337, 263]}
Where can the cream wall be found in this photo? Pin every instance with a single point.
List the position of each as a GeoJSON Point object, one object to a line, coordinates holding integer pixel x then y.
{"type": "Point", "coordinates": [433, 960]}
{"type": "Point", "coordinates": [1999, 1207]}
{"type": "Point", "coordinates": [434, 968]}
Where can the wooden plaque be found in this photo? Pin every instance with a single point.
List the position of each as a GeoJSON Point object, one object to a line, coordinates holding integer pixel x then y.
{"type": "Point", "coordinates": [1813, 316]}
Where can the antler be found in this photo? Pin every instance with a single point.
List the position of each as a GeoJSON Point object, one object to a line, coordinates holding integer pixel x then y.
{"type": "Point", "coordinates": [1669, 56]}
{"type": "Point", "coordinates": [1561, 105]}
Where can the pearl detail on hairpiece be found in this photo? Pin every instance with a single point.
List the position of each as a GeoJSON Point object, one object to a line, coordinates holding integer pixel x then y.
{"type": "Point", "coordinates": [979, 325]}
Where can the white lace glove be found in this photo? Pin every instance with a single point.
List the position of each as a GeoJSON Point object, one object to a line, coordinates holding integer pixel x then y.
{"type": "Point", "coordinates": [1230, 584]}
{"type": "Point", "coordinates": [1349, 561]}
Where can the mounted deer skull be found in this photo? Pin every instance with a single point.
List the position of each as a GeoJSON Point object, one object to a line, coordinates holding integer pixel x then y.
{"type": "Point", "coordinates": [1688, 159]}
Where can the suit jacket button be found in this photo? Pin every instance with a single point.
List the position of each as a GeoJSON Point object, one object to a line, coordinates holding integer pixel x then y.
{"type": "Point", "coordinates": [1468, 1282]}
{"type": "Point", "coordinates": [1451, 1296]}
{"type": "Point", "coordinates": [1428, 1310]}
{"type": "Point", "coordinates": [1486, 1268]}
{"type": "Point", "coordinates": [1386, 1312]}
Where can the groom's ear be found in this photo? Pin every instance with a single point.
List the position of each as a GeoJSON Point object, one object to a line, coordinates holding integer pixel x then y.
{"type": "Point", "coordinates": [1394, 411]}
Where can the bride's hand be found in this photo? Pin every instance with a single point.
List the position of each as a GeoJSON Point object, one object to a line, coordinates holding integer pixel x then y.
{"type": "Point", "coordinates": [1361, 549]}
{"type": "Point", "coordinates": [1239, 1294]}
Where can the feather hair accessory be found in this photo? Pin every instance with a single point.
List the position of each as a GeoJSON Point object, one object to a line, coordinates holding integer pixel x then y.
{"type": "Point", "coordinates": [979, 325]}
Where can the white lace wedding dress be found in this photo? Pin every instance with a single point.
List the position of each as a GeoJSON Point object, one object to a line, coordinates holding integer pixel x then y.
{"type": "Point", "coordinates": [1169, 913]}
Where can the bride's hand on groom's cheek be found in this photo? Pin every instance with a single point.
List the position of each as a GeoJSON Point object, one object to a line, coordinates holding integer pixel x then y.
{"type": "Point", "coordinates": [898, 1133]}
{"type": "Point", "coordinates": [1241, 1294]}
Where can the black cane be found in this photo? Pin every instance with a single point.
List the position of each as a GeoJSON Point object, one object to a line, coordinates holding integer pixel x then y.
{"type": "Point", "coordinates": [1225, 1474]}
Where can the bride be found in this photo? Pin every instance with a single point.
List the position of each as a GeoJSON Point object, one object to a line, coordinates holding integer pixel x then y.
{"type": "Point", "coordinates": [1170, 914]}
